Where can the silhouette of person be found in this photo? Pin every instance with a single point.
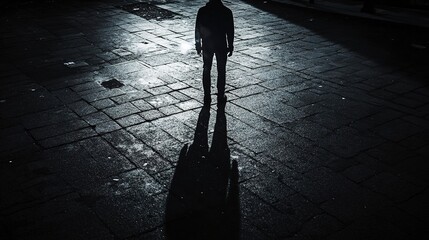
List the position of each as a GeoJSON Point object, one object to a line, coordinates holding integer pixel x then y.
{"type": "Point", "coordinates": [214, 35]}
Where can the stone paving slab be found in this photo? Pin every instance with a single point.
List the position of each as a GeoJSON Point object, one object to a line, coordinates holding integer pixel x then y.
{"type": "Point", "coordinates": [325, 131]}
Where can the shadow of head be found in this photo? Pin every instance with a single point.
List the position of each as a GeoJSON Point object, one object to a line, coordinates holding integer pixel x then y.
{"type": "Point", "coordinates": [203, 201]}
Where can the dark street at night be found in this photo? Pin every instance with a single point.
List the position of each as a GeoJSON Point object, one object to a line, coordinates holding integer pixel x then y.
{"type": "Point", "coordinates": [245, 119]}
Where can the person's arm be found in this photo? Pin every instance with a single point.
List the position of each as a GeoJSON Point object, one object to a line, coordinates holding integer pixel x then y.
{"type": "Point", "coordinates": [230, 34]}
{"type": "Point", "coordinates": [198, 33]}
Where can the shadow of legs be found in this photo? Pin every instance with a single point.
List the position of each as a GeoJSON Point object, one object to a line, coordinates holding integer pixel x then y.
{"type": "Point", "coordinates": [203, 201]}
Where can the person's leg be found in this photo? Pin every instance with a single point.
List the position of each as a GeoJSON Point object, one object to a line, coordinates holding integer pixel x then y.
{"type": "Point", "coordinates": [207, 66]}
{"type": "Point", "coordinates": [221, 57]}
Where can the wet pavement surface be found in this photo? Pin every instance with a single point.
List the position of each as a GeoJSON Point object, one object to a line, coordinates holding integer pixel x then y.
{"type": "Point", "coordinates": [104, 135]}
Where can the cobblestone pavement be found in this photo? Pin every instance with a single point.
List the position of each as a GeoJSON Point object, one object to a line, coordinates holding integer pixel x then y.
{"type": "Point", "coordinates": [327, 118]}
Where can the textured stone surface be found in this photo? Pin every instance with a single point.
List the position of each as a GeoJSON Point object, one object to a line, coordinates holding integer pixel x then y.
{"type": "Point", "coordinates": [326, 118]}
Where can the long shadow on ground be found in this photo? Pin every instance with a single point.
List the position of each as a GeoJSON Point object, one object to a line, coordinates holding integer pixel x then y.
{"type": "Point", "coordinates": [203, 201]}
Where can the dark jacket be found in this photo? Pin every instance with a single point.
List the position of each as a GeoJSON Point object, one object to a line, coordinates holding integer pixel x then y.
{"type": "Point", "coordinates": [215, 26]}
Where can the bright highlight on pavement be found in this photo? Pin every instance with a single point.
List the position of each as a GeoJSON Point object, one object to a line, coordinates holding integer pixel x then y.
{"type": "Point", "coordinates": [185, 47]}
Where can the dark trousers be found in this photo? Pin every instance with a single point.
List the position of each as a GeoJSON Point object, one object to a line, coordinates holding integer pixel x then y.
{"type": "Point", "coordinates": [221, 71]}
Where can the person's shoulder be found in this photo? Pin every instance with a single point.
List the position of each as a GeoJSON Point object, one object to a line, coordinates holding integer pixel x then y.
{"type": "Point", "coordinates": [202, 9]}
{"type": "Point", "coordinates": [227, 9]}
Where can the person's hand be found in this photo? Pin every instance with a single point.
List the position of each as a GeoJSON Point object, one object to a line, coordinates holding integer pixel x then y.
{"type": "Point", "coordinates": [230, 50]}
{"type": "Point", "coordinates": [198, 48]}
